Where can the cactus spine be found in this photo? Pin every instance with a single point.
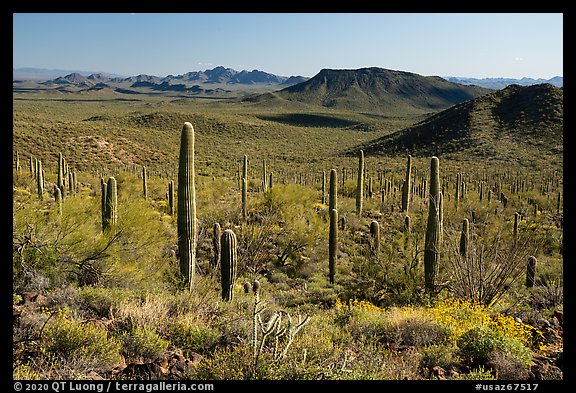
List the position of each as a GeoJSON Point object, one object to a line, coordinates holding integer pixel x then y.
{"type": "Point", "coordinates": [530, 271]}
{"type": "Point", "coordinates": [406, 188]}
{"type": "Point", "coordinates": [431, 243]}
{"type": "Point", "coordinates": [228, 262]}
{"type": "Point", "coordinates": [360, 183]}
{"type": "Point", "coordinates": [186, 221]}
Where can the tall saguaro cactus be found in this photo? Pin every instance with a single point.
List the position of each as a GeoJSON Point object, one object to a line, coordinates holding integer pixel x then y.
{"type": "Point", "coordinates": [40, 180]}
{"type": "Point", "coordinates": [464, 238]}
{"type": "Point", "coordinates": [332, 244]}
{"type": "Point", "coordinates": [375, 236]}
{"type": "Point", "coordinates": [407, 186]}
{"type": "Point", "coordinates": [360, 183]}
{"type": "Point", "coordinates": [186, 221]}
{"type": "Point", "coordinates": [332, 197]}
{"type": "Point", "coordinates": [110, 215]}
{"type": "Point", "coordinates": [228, 263]}
{"type": "Point", "coordinates": [431, 243]}
{"type": "Point", "coordinates": [144, 183]}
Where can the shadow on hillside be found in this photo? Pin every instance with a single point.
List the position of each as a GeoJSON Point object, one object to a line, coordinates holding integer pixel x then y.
{"type": "Point", "coordinates": [309, 120]}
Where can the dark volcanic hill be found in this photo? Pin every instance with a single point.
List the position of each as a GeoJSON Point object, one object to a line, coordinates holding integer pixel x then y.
{"type": "Point", "coordinates": [378, 90]}
{"type": "Point", "coordinates": [512, 123]}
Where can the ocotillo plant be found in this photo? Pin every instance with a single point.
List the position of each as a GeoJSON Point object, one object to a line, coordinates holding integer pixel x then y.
{"type": "Point", "coordinates": [407, 187]}
{"type": "Point", "coordinates": [375, 236]}
{"type": "Point", "coordinates": [186, 220]}
{"type": "Point", "coordinates": [360, 183]}
{"type": "Point", "coordinates": [228, 263]}
{"type": "Point", "coordinates": [530, 271]}
{"type": "Point", "coordinates": [332, 244]}
{"type": "Point", "coordinates": [464, 237]}
{"type": "Point", "coordinates": [110, 217]}
{"type": "Point", "coordinates": [216, 235]}
{"type": "Point", "coordinates": [431, 243]}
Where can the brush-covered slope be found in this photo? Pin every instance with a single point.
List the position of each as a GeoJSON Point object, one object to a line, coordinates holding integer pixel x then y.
{"type": "Point", "coordinates": [512, 124]}
{"type": "Point", "coordinates": [376, 90]}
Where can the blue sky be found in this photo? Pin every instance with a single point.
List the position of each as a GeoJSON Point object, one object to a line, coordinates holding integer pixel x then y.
{"type": "Point", "coordinates": [451, 44]}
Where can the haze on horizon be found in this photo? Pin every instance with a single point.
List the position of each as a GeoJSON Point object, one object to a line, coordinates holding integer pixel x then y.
{"type": "Point", "coordinates": [475, 45]}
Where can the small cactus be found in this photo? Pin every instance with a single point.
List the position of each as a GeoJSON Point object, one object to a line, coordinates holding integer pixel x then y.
{"type": "Point", "coordinates": [228, 263]}
{"type": "Point", "coordinates": [58, 199]}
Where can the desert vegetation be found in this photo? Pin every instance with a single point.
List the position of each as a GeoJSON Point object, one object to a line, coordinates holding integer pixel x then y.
{"type": "Point", "coordinates": [185, 239]}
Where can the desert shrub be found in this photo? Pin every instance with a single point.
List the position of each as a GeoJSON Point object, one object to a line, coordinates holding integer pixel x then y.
{"type": "Point", "coordinates": [70, 340]}
{"type": "Point", "coordinates": [192, 336]}
{"type": "Point", "coordinates": [478, 345]}
{"type": "Point", "coordinates": [142, 342]}
{"type": "Point", "coordinates": [477, 374]}
{"type": "Point", "coordinates": [442, 355]}
{"type": "Point", "coordinates": [25, 372]}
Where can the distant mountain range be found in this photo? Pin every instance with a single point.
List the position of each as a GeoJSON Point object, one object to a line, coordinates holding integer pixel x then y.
{"type": "Point", "coordinates": [517, 122]}
{"type": "Point", "coordinates": [374, 90]}
{"type": "Point", "coordinates": [500, 83]}
{"type": "Point", "coordinates": [218, 80]}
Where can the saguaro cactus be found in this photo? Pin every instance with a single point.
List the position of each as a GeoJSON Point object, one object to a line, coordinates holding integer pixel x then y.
{"type": "Point", "coordinates": [323, 187]}
{"type": "Point", "coordinates": [228, 262]}
{"type": "Point", "coordinates": [244, 199]}
{"type": "Point", "coordinates": [332, 244]}
{"type": "Point", "coordinates": [40, 180]}
{"type": "Point", "coordinates": [332, 197]}
{"type": "Point", "coordinates": [530, 271]}
{"type": "Point", "coordinates": [375, 236]}
{"type": "Point", "coordinates": [171, 197]}
{"type": "Point", "coordinates": [144, 183]}
{"type": "Point", "coordinates": [464, 238]}
{"type": "Point", "coordinates": [360, 183]}
{"type": "Point", "coordinates": [407, 186]}
{"type": "Point", "coordinates": [58, 199]}
{"type": "Point", "coordinates": [186, 221]}
{"type": "Point", "coordinates": [60, 181]}
{"type": "Point", "coordinates": [431, 243]}
{"type": "Point", "coordinates": [110, 217]}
